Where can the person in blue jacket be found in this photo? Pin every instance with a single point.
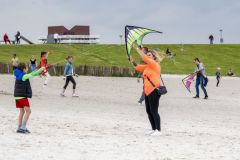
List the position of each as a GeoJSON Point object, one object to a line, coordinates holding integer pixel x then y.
{"type": "Point", "coordinates": [68, 76]}
{"type": "Point", "coordinates": [23, 91]}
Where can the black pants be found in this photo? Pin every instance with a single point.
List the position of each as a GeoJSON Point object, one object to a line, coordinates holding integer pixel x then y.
{"type": "Point", "coordinates": [152, 103]}
{"type": "Point", "coordinates": [218, 81]}
{"type": "Point", "coordinates": [70, 78]}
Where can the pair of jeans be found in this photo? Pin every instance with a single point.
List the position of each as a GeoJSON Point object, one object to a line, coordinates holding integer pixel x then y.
{"type": "Point", "coordinates": [152, 104]}
{"type": "Point", "coordinates": [200, 81]}
{"type": "Point", "coordinates": [33, 67]}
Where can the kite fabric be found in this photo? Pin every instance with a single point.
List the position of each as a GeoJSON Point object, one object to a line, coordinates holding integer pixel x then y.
{"type": "Point", "coordinates": [135, 34]}
{"type": "Point", "coordinates": [187, 81]}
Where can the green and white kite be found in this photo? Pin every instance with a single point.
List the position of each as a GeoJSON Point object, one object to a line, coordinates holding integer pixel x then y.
{"type": "Point", "coordinates": [135, 34]}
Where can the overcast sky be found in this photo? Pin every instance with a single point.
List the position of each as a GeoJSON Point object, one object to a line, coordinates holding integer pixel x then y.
{"type": "Point", "coordinates": [181, 21]}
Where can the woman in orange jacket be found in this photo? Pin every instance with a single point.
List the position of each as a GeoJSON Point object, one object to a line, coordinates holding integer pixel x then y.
{"type": "Point", "coordinates": [151, 72]}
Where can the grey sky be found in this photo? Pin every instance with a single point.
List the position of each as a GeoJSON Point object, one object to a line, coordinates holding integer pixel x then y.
{"type": "Point", "coordinates": [182, 21]}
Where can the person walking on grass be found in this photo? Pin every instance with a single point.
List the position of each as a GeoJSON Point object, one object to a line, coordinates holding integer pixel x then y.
{"type": "Point", "coordinates": [17, 37]}
{"type": "Point", "coordinates": [218, 76]}
{"type": "Point", "coordinates": [211, 38]}
{"type": "Point", "coordinates": [23, 91]}
{"type": "Point", "coordinates": [201, 78]}
{"type": "Point", "coordinates": [68, 75]}
{"type": "Point", "coordinates": [151, 73]}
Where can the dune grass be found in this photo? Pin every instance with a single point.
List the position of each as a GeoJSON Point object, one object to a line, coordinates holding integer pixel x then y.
{"type": "Point", "coordinates": [225, 56]}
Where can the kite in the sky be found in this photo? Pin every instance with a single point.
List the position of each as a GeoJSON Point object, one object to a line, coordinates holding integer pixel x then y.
{"type": "Point", "coordinates": [187, 81]}
{"type": "Point", "coordinates": [135, 34]}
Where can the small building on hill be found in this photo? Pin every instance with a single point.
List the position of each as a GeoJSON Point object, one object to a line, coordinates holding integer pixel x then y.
{"type": "Point", "coordinates": [76, 35]}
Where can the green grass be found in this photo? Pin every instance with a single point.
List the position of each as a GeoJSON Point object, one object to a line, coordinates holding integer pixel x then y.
{"type": "Point", "coordinates": [225, 56]}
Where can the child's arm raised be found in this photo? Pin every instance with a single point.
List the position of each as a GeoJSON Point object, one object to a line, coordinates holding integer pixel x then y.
{"type": "Point", "coordinates": [32, 74]}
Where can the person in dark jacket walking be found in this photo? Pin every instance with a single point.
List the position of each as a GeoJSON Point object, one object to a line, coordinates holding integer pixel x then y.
{"type": "Point", "coordinates": [218, 76]}
{"type": "Point", "coordinates": [17, 37]}
{"type": "Point", "coordinates": [211, 38]}
{"type": "Point", "coordinates": [23, 91]}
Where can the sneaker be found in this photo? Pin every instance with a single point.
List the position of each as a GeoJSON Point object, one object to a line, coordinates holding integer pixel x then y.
{"type": "Point", "coordinates": [21, 130]}
{"type": "Point", "coordinates": [156, 133]}
{"type": "Point", "coordinates": [196, 97]}
{"type": "Point", "coordinates": [27, 131]}
{"type": "Point", "coordinates": [206, 97]}
{"type": "Point", "coordinates": [62, 94]}
{"type": "Point", "coordinates": [149, 132]}
{"type": "Point", "coordinates": [75, 95]}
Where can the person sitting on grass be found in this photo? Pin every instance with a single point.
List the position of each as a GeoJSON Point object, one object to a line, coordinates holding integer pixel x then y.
{"type": "Point", "coordinates": [230, 73]}
{"type": "Point", "coordinates": [22, 92]}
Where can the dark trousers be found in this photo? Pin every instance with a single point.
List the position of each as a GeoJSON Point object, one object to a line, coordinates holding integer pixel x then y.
{"type": "Point", "coordinates": [70, 78]}
{"type": "Point", "coordinates": [218, 81]}
{"type": "Point", "coordinates": [200, 81]}
{"type": "Point", "coordinates": [152, 104]}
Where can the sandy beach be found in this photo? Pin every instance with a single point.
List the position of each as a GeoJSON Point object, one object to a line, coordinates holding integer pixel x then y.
{"type": "Point", "coordinates": [106, 123]}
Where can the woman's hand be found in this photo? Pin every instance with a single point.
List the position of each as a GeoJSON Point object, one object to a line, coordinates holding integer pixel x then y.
{"type": "Point", "coordinates": [132, 61]}
{"type": "Point", "coordinates": [135, 46]}
{"type": "Point", "coordinates": [139, 51]}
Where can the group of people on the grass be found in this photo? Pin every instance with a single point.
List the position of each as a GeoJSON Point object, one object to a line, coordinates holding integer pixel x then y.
{"type": "Point", "coordinates": [15, 41]}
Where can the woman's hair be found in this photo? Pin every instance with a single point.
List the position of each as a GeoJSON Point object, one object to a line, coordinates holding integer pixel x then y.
{"type": "Point", "coordinates": [153, 54]}
{"type": "Point", "coordinates": [22, 66]}
{"type": "Point", "coordinates": [197, 59]}
{"type": "Point", "coordinates": [145, 48]}
{"type": "Point", "coordinates": [43, 53]}
{"type": "Point", "coordinates": [68, 57]}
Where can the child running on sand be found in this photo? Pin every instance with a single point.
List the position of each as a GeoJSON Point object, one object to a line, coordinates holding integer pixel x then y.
{"type": "Point", "coordinates": [22, 92]}
{"type": "Point", "coordinates": [68, 75]}
{"type": "Point", "coordinates": [43, 63]}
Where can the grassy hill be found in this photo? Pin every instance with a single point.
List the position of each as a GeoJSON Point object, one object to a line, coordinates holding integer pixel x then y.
{"type": "Point", "coordinates": [225, 56]}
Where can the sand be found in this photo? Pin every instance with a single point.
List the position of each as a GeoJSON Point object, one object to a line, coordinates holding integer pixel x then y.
{"type": "Point", "coordinates": [106, 123]}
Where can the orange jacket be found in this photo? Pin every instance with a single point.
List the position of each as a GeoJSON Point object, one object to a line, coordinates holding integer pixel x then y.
{"type": "Point", "coordinates": [152, 70]}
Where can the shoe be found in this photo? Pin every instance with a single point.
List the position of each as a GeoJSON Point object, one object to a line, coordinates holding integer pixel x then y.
{"type": "Point", "coordinates": [27, 131]}
{"type": "Point", "coordinates": [149, 132]}
{"type": "Point", "coordinates": [21, 130]}
{"type": "Point", "coordinates": [206, 97]}
{"type": "Point", "coordinates": [139, 103]}
{"type": "Point", "coordinates": [75, 95]}
{"type": "Point", "coordinates": [62, 94]}
{"type": "Point", "coordinates": [196, 97]}
{"type": "Point", "coordinates": [156, 133]}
